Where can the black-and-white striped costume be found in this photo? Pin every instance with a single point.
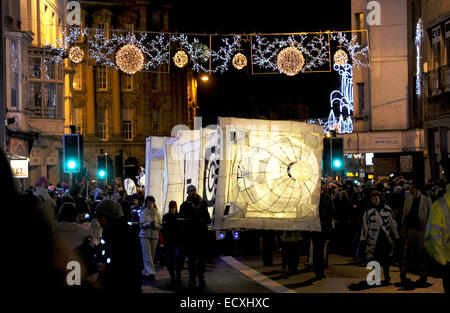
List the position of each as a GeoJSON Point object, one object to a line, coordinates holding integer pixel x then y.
{"type": "Point", "coordinates": [373, 221]}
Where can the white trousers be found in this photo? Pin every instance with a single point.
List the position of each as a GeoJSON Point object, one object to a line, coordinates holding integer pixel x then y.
{"type": "Point", "coordinates": [148, 254]}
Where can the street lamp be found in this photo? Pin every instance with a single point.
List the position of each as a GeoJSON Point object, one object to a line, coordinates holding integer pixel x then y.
{"type": "Point", "coordinates": [204, 78]}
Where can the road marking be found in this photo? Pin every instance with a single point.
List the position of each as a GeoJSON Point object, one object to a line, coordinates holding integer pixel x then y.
{"type": "Point", "coordinates": [257, 276]}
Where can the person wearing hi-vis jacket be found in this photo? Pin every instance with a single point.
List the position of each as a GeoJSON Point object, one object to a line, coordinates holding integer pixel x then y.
{"type": "Point", "coordinates": [150, 222]}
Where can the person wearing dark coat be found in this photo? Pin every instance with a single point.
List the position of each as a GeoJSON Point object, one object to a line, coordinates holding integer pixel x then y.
{"type": "Point", "coordinates": [173, 243]}
{"type": "Point", "coordinates": [119, 252]}
{"type": "Point", "coordinates": [196, 217]}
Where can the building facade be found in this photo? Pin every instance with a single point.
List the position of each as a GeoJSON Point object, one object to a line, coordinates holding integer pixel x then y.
{"type": "Point", "coordinates": [384, 123]}
{"type": "Point", "coordinates": [34, 88]}
{"type": "Point", "coordinates": [114, 111]}
{"type": "Point", "coordinates": [432, 92]}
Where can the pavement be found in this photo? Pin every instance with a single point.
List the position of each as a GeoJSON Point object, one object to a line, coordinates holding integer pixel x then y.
{"type": "Point", "coordinates": [246, 274]}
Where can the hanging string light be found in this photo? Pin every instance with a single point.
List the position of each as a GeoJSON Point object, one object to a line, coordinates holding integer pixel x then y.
{"type": "Point", "coordinates": [290, 61]}
{"type": "Point", "coordinates": [76, 54]}
{"type": "Point", "coordinates": [130, 59]}
{"type": "Point", "coordinates": [239, 61]}
{"type": "Point", "coordinates": [180, 59]}
{"type": "Point", "coordinates": [340, 57]}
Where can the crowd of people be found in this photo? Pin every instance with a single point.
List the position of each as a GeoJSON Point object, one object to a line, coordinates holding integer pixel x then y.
{"type": "Point", "coordinates": [119, 240]}
{"type": "Point", "coordinates": [385, 222]}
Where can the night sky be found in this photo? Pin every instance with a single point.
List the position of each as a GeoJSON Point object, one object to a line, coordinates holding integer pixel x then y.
{"type": "Point", "coordinates": [241, 94]}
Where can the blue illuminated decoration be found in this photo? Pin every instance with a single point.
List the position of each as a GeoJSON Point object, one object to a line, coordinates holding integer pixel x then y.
{"type": "Point", "coordinates": [341, 101]}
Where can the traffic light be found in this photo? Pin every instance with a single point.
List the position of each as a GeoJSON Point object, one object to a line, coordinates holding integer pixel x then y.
{"type": "Point", "coordinates": [337, 153]}
{"type": "Point", "coordinates": [326, 156]}
{"type": "Point", "coordinates": [104, 167]}
{"type": "Point", "coordinates": [101, 166]}
{"type": "Point", "coordinates": [73, 153]}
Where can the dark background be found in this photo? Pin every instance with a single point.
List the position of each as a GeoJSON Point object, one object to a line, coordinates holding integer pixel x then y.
{"type": "Point", "coordinates": [274, 96]}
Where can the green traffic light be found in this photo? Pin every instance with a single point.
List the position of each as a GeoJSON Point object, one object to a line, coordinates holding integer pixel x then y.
{"type": "Point", "coordinates": [101, 173]}
{"type": "Point", "coordinates": [71, 164]}
{"type": "Point", "coordinates": [337, 163]}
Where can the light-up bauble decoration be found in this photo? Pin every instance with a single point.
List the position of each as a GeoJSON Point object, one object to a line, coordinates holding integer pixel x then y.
{"type": "Point", "coordinates": [130, 59]}
{"type": "Point", "coordinates": [290, 61]}
{"type": "Point", "coordinates": [340, 57]}
{"type": "Point", "coordinates": [239, 61]}
{"type": "Point", "coordinates": [180, 59]}
{"type": "Point", "coordinates": [201, 52]}
{"type": "Point", "coordinates": [76, 54]}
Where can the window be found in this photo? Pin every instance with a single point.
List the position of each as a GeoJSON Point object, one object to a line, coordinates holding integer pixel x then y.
{"type": "Point", "coordinates": [127, 123]}
{"type": "Point", "coordinates": [45, 88]}
{"type": "Point", "coordinates": [129, 28]}
{"type": "Point", "coordinates": [127, 82]}
{"type": "Point", "coordinates": [155, 118]}
{"type": "Point", "coordinates": [359, 26]}
{"type": "Point", "coordinates": [436, 47]}
{"type": "Point", "coordinates": [361, 98]}
{"type": "Point", "coordinates": [34, 67]}
{"type": "Point", "coordinates": [77, 77]}
{"type": "Point", "coordinates": [155, 82]}
{"type": "Point", "coordinates": [104, 28]}
{"type": "Point", "coordinates": [102, 129]}
{"type": "Point", "coordinates": [78, 119]}
{"type": "Point", "coordinates": [102, 78]}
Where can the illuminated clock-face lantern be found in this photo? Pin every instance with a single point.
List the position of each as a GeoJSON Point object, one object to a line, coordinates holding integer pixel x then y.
{"type": "Point", "coordinates": [276, 176]}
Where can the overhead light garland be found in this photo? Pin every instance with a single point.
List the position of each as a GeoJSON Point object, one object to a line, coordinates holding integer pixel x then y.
{"type": "Point", "coordinates": [264, 48]}
{"type": "Point", "coordinates": [130, 59]}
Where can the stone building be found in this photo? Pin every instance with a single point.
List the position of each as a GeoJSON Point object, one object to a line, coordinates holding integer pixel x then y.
{"type": "Point", "coordinates": [385, 122]}
{"type": "Point", "coordinates": [115, 111]}
{"type": "Point", "coordinates": [431, 59]}
{"type": "Point", "coordinates": [34, 89]}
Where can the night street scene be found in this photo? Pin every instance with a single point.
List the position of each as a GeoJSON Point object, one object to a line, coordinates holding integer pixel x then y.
{"type": "Point", "coordinates": [225, 155]}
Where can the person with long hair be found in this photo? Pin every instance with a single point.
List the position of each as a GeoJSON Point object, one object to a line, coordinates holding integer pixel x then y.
{"type": "Point", "coordinates": [150, 221]}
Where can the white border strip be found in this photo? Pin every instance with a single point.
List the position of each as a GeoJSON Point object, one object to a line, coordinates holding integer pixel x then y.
{"type": "Point", "coordinates": [257, 276]}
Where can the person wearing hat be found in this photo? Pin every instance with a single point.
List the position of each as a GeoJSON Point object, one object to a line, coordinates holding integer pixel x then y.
{"type": "Point", "coordinates": [379, 233]}
{"type": "Point", "coordinates": [119, 252]}
{"type": "Point", "coordinates": [196, 217]}
{"type": "Point", "coordinates": [48, 204]}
